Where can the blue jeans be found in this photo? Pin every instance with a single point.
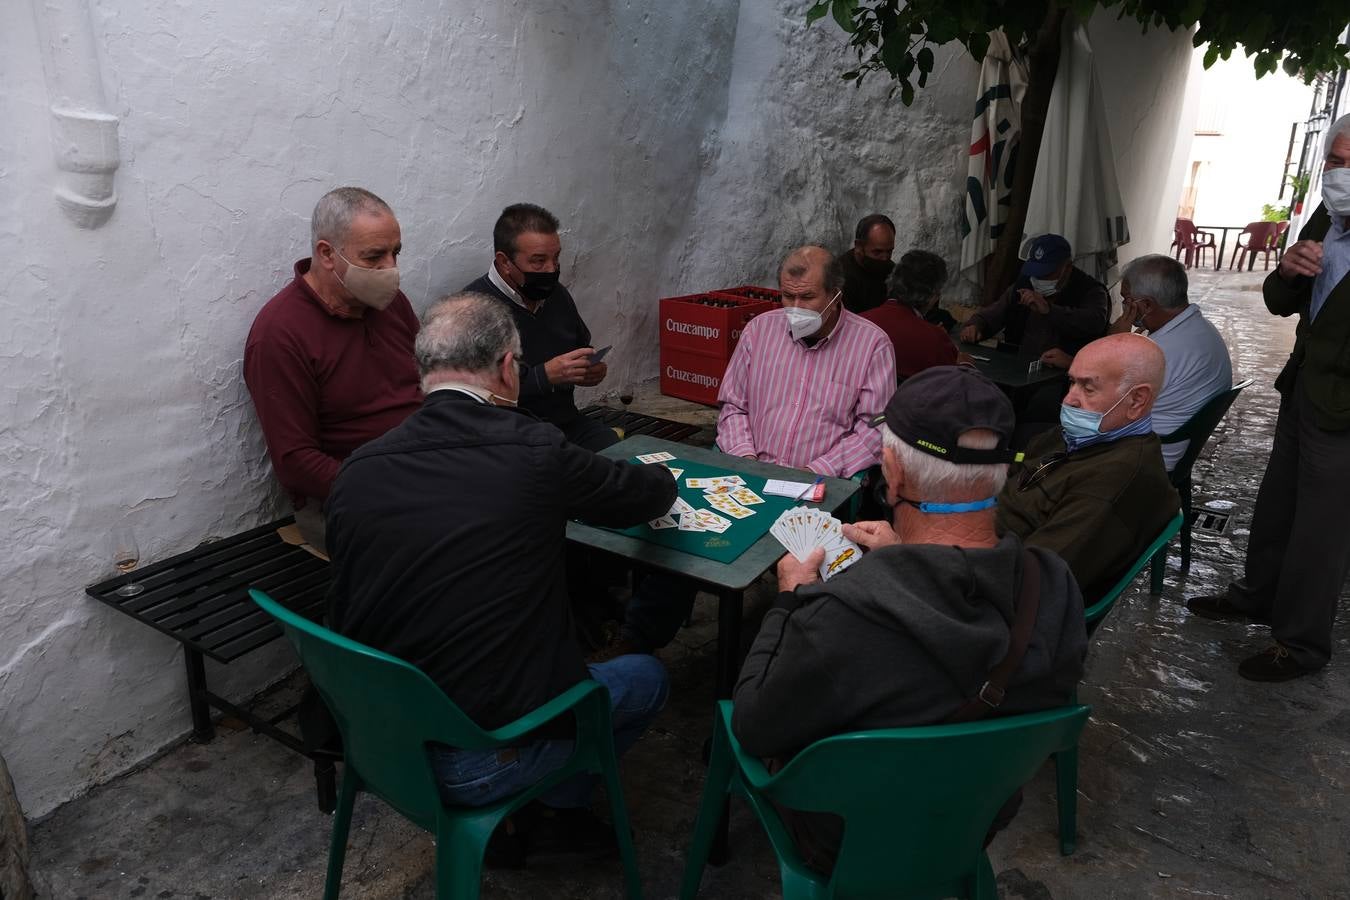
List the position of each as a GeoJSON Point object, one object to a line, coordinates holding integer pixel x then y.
{"type": "Point", "coordinates": [638, 686]}
{"type": "Point", "coordinates": [657, 610]}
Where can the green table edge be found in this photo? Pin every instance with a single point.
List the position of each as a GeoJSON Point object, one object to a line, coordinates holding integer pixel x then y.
{"type": "Point", "coordinates": [746, 568]}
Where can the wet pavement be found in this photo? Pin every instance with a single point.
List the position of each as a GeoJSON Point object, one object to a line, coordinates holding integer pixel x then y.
{"type": "Point", "coordinates": [1192, 781]}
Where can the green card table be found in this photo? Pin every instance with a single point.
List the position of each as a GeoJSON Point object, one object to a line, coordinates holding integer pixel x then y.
{"type": "Point", "coordinates": [727, 580]}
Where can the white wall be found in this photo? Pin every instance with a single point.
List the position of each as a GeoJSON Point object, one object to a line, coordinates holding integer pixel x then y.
{"type": "Point", "coordinates": [685, 146]}
{"type": "Point", "coordinates": [1150, 103]}
{"type": "Point", "coordinates": [1242, 165]}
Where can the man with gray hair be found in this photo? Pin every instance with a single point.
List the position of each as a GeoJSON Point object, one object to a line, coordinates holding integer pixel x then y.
{"type": "Point", "coordinates": [447, 535]}
{"type": "Point", "coordinates": [805, 380]}
{"type": "Point", "coordinates": [329, 359]}
{"type": "Point", "coordinates": [1153, 289]}
{"type": "Point", "coordinates": [938, 610]}
{"type": "Point", "coordinates": [1298, 554]}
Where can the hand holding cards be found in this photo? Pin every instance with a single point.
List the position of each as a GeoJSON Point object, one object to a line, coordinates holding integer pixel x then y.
{"type": "Point", "coordinates": [803, 529]}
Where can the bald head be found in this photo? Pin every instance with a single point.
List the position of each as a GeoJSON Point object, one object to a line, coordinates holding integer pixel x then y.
{"type": "Point", "coordinates": [1119, 375]}
{"type": "Point", "coordinates": [813, 264]}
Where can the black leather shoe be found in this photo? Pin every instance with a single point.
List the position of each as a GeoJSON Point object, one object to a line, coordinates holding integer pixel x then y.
{"type": "Point", "coordinates": [1272, 664]}
{"type": "Point", "coordinates": [1220, 608]}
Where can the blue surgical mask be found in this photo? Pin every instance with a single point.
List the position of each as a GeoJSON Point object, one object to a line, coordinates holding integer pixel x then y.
{"type": "Point", "coordinates": [1080, 424]}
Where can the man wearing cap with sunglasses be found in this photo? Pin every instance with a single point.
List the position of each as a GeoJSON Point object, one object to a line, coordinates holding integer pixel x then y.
{"type": "Point", "coordinates": [1095, 490]}
{"type": "Point", "coordinates": [1052, 305]}
{"type": "Point", "coordinates": [941, 621]}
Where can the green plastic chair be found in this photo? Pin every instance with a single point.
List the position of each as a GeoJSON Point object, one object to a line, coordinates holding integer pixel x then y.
{"type": "Point", "coordinates": [1097, 611]}
{"type": "Point", "coordinates": [916, 802]}
{"type": "Point", "coordinates": [1197, 430]}
{"type": "Point", "coordinates": [388, 711]}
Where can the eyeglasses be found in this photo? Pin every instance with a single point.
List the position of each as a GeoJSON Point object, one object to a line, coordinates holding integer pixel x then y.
{"type": "Point", "coordinates": [1032, 476]}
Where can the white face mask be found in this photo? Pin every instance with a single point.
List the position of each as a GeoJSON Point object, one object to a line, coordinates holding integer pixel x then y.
{"type": "Point", "coordinates": [375, 288]}
{"type": "Point", "coordinates": [1336, 191]}
{"type": "Point", "coordinates": [1045, 286]}
{"type": "Point", "coordinates": [802, 323]}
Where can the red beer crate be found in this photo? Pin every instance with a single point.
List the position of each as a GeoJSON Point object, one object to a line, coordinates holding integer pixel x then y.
{"type": "Point", "coordinates": [754, 292]}
{"type": "Point", "coordinates": [691, 376]}
{"type": "Point", "coordinates": [708, 323]}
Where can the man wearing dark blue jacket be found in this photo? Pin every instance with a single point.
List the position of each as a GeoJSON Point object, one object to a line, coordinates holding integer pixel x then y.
{"type": "Point", "coordinates": [447, 536]}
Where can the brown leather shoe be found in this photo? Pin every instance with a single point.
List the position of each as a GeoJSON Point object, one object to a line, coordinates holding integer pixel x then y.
{"type": "Point", "coordinates": [1272, 664]}
{"type": "Point", "coordinates": [1220, 608]}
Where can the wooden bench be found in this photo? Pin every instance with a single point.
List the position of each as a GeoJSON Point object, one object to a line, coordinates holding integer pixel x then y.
{"type": "Point", "coordinates": [200, 599]}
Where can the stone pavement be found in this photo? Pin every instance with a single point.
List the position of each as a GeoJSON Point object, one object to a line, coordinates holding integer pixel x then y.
{"type": "Point", "coordinates": [1193, 782]}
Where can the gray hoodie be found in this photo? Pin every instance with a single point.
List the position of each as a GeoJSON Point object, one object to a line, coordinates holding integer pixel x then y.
{"type": "Point", "coordinates": [904, 637]}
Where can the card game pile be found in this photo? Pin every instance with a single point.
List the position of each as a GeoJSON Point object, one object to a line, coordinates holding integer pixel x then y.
{"type": "Point", "coordinates": [803, 529]}
{"type": "Point", "coordinates": [727, 494]}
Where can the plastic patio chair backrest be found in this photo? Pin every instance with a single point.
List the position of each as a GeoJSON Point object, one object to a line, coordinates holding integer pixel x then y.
{"type": "Point", "coordinates": [387, 711]}
{"type": "Point", "coordinates": [1097, 611]}
{"type": "Point", "coordinates": [1198, 429]}
{"type": "Point", "coordinates": [1259, 235]}
{"type": "Point", "coordinates": [917, 802]}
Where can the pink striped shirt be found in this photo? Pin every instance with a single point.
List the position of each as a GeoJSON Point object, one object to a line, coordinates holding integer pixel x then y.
{"type": "Point", "coordinates": [807, 407]}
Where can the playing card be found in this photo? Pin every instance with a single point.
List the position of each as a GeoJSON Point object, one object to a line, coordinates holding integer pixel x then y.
{"type": "Point", "coordinates": [803, 529]}
{"type": "Point", "coordinates": [655, 457]}
{"type": "Point", "coordinates": [839, 559]}
{"type": "Point", "coordinates": [711, 521]}
{"type": "Point", "coordinates": [733, 480]}
{"type": "Point", "coordinates": [724, 503]}
{"type": "Point", "coordinates": [676, 473]}
{"type": "Point", "coordinates": [698, 482]}
{"type": "Point", "coordinates": [746, 497]}
{"type": "Point", "coordinates": [666, 521]}
{"type": "Point", "coordinates": [680, 507]}
{"type": "Point", "coordinates": [689, 522]}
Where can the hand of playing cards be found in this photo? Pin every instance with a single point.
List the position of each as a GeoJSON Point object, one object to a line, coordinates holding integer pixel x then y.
{"type": "Point", "coordinates": [803, 529]}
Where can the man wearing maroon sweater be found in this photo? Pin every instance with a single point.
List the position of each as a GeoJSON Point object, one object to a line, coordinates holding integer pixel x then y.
{"type": "Point", "coordinates": [329, 361]}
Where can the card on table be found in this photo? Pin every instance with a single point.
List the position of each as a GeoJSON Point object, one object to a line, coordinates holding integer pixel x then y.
{"type": "Point", "coordinates": [724, 503]}
{"type": "Point", "coordinates": [666, 521]}
{"type": "Point", "coordinates": [690, 522]}
{"type": "Point", "coordinates": [680, 507]}
{"type": "Point", "coordinates": [746, 497]}
{"type": "Point", "coordinates": [711, 521]}
{"type": "Point", "coordinates": [655, 457]}
{"type": "Point", "coordinates": [675, 473]}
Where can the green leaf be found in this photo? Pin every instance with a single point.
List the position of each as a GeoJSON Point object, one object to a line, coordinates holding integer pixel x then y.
{"type": "Point", "coordinates": [1083, 9]}
{"type": "Point", "coordinates": [843, 13]}
{"type": "Point", "coordinates": [1290, 65]}
{"type": "Point", "coordinates": [923, 79]}
{"type": "Point", "coordinates": [906, 93]}
{"type": "Point", "coordinates": [818, 11]}
{"type": "Point", "coordinates": [1211, 55]}
{"type": "Point", "coordinates": [849, 76]}
{"type": "Point", "coordinates": [978, 45]}
{"type": "Point", "coordinates": [894, 51]}
{"type": "Point", "coordinates": [925, 60]}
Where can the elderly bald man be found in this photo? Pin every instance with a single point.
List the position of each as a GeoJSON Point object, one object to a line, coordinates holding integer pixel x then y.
{"type": "Point", "coordinates": [1095, 490]}
{"type": "Point", "coordinates": [1298, 554]}
{"type": "Point", "coordinates": [806, 380]}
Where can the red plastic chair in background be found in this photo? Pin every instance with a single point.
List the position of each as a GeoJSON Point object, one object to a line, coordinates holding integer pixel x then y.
{"type": "Point", "coordinates": [1281, 234]}
{"type": "Point", "coordinates": [1193, 242]}
{"type": "Point", "coordinates": [1260, 239]}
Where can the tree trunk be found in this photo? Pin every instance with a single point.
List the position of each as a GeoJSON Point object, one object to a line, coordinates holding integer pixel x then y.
{"type": "Point", "coordinates": [14, 884]}
{"type": "Point", "coordinates": [1042, 64]}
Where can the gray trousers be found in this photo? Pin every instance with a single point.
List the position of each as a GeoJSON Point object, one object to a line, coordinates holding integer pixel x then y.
{"type": "Point", "coordinates": [1299, 550]}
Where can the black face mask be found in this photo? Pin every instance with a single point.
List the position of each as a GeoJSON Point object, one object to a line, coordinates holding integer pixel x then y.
{"type": "Point", "coordinates": [878, 267]}
{"type": "Point", "coordinates": [538, 286]}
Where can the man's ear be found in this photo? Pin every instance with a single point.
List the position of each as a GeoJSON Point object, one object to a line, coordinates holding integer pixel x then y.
{"type": "Point", "coordinates": [1141, 400]}
{"type": "Point", "coordinates": [325, 254]}
{"type": "Point", "coordinates": [892, 471]}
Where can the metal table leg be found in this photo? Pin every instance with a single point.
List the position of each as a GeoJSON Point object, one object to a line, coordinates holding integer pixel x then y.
{"type": "Point", "coordinates": [198, 697]}
{"type": "Point", "coordinates": [730, 609]}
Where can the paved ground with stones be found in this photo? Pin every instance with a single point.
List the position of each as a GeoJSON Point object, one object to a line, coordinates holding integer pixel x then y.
{"type": "Point", "coordinates": [1193, 782]}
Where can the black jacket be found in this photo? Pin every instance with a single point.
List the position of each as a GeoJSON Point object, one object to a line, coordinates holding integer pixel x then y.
{"type": "Point", "coordinates": [551, 330]}
{"type": "Point", "coordinates": [1320, 358]}
{"type": "Point", "coordinates": [447, 538]}
{"type": "Point", "coordinates": [1079, 314]}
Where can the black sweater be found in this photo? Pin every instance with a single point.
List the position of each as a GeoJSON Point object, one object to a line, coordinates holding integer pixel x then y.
{"type": "Point", "coordinates": [554, 328]}
{"type": "Point", "coordinates": [447, 538]}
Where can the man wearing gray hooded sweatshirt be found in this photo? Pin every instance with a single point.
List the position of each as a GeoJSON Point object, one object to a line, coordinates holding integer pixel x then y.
{"type": "Point", "coordinates": [911, 633]}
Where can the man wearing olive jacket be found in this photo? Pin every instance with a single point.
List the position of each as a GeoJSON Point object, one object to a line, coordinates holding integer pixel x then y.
{"type": "Point", "coordinates": [1299, 550]}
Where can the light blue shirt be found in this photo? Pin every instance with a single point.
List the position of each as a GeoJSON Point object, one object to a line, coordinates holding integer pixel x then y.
{"type": "Point", "coordinates": [1335, 264]}
{"type": "Point", "coordinates": [1198, 367]}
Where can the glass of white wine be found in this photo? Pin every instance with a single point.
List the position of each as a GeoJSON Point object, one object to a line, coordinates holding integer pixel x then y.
{"type": "Point", "coordinates": [126, 556]}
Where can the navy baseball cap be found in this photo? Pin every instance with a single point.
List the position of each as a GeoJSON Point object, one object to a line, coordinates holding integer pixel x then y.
{"type": "Point", "coordinates": [1047, 253]}
{"type": "Point", "coordinates": [931, 410]}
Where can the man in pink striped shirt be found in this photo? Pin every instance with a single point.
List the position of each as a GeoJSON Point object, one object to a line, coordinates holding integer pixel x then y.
{"type": "Point", "coordinates": [805, 380]}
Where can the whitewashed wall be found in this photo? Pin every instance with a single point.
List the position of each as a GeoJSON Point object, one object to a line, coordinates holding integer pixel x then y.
{"type": "Point", "coordinates": [684, 145]}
